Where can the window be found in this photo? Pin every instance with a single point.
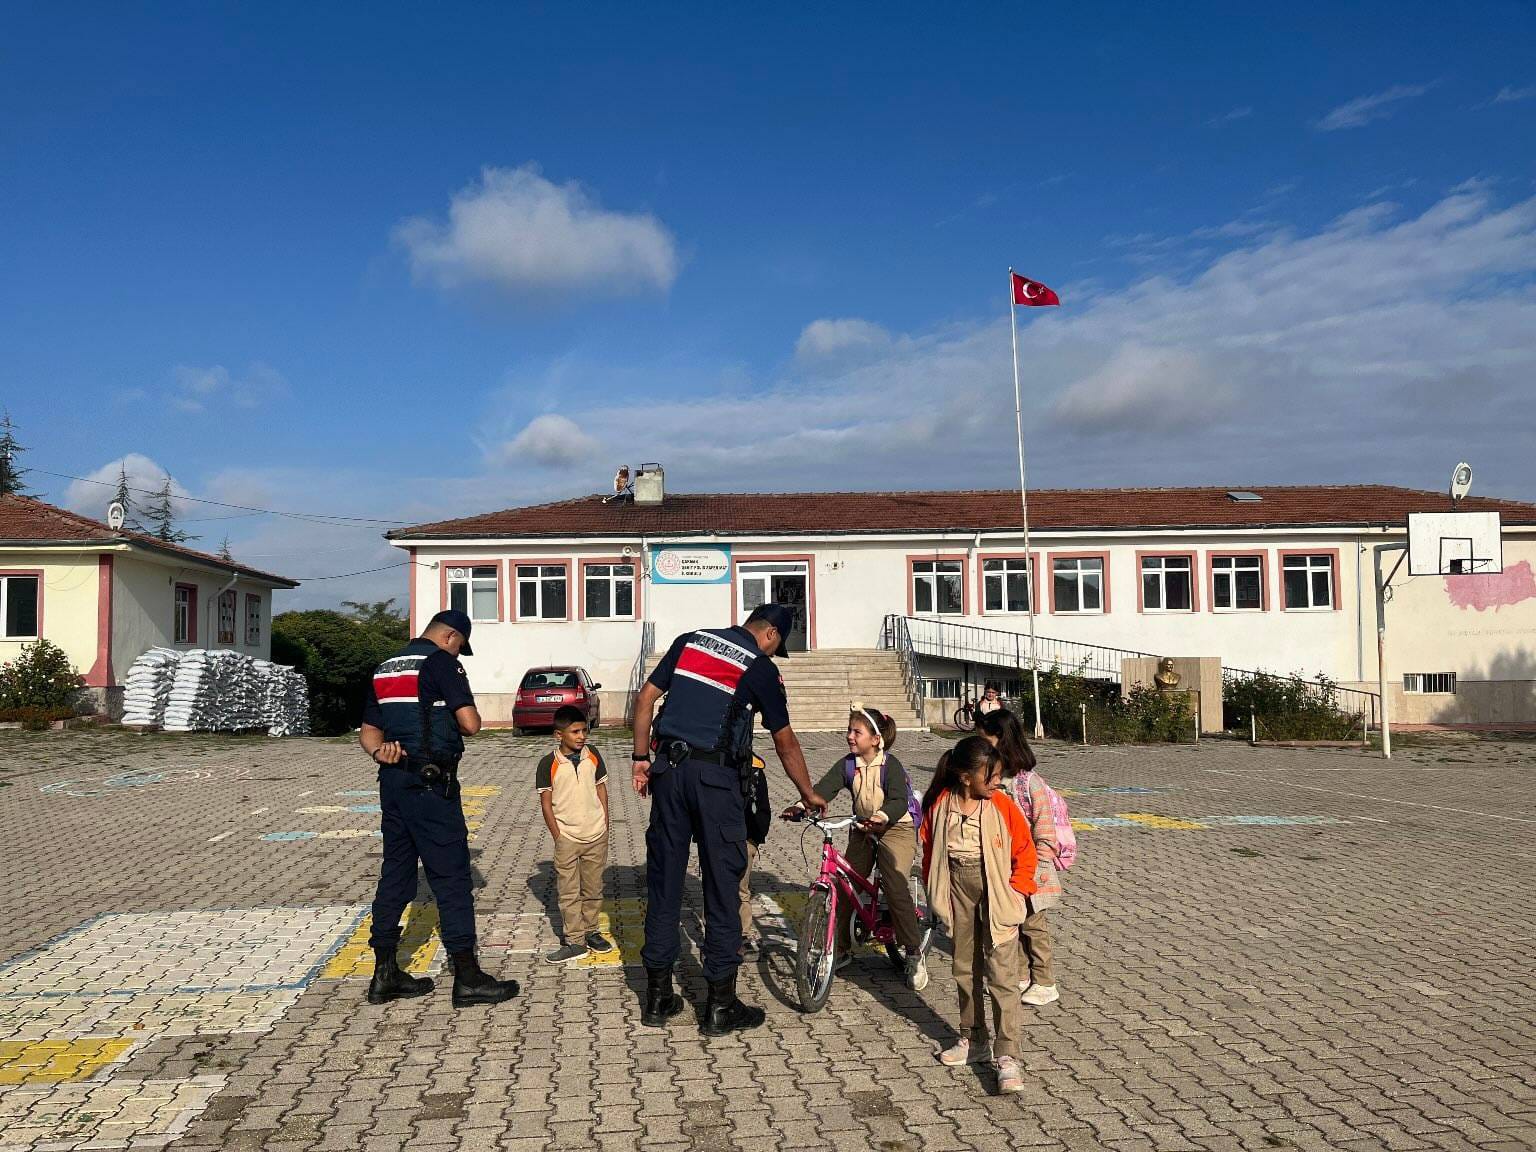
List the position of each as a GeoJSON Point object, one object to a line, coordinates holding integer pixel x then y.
{"type": "Point", "coordinates": [550, 678]}
{"type": "Point", "coordinates": [252, 619]}
{"type": "Point", "coordinates": [1426, 683]}
{"type": "Point", "coordinates": [1309, 581]}
{"type": "Point", "coordinates": [184, 625]}
{"type": "Point", "coordinates": [19, 606]}
{"type": "Point", "coordinates": [1237, 583]}
{"type": "Point", "coordinates": [938, 587]}
{"type": "Point", "coordinates": [227, 602]}
{"type": "Point", "coordinates": [1167, 583]}
{"type": "Point", "coordinates": [609, 591]}
{"type": "Point", "coordinates": [941, 689]}
{"type": "Point", "coordinates": [1078, 584]}
{"type": "Point", "coordinates": [473, 591]}
{"type": "Point", "coordinates": [541, 591]}
{"type": "Point", "coordinates": [1005, 585]}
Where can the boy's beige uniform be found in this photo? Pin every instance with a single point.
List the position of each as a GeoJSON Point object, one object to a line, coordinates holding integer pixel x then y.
{"type": "Point", "coordinates": [581, 851]}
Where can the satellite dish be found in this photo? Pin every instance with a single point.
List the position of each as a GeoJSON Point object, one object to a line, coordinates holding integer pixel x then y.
{"type": "Point", "coordinates": [115, 514]}
{"type": "Point", "coordinates": [1461, 482]}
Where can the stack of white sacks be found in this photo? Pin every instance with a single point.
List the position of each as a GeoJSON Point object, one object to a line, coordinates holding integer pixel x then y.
{"type": "Point", "coordinates": [218, 691]}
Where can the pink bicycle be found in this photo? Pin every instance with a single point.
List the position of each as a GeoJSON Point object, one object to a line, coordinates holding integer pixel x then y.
{"type": "Point", "coordinates": [816, 955]}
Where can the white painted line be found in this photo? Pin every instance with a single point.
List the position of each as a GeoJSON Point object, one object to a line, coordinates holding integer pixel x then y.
{"type": "Point", "coordinates": [1372, 819]}
{"type": "Point", "coordinates": [306, 792]}
{"type": "Point", "coordinates": [1389, 800]}
{"type": "Point", "coordinates": [221, 836]}
{"type": "Point", "coordinates": [257, 811]}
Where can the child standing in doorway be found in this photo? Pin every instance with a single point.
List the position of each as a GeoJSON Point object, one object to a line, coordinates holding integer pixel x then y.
{"type": "Point", "coordinates": [1004, 731]}
{"type": "Point", "coordinates": [979, 863]}
{"type": "Point", "coordinates": [572, 782]}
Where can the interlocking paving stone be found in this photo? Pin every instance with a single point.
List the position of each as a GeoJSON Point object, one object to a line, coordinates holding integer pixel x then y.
{"type": "Point", "coordinates": [1260, 949]}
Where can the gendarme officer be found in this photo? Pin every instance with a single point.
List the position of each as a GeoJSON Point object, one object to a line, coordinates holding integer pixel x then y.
{"type": "Point", "coordinates": [419, 710]}
{"type": "Point", "coordinates": [696, 770]}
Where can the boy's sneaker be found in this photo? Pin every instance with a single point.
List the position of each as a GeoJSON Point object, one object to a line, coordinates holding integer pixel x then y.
{"type": "Point", "coordinates": [916, 971]}
{"type": "Point", "coordinates": [597, 942]}
{"type": "Point", "coordinates": [1038, 994]}
{"type": "Point", "coordinates": [1010, 1077]}
{"type": "Point", "coordinates": [566, 953]}
{"type": "Point", "coordinates": [964, 1053]}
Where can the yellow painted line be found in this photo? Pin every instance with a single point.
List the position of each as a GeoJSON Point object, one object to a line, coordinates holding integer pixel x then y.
{"type": "Point", "coordinates": [1165, 823]}
{"type": "Point", "coordinates": [623, 922]}
{"type": "Point", "coordinates": [792, 905]}
{"type": "Point", "coordinates": [481, 791]}
{"type": "Point", "coordinates": [57, 1061]}
{"type": "Point", "coordinates": [419, 942]}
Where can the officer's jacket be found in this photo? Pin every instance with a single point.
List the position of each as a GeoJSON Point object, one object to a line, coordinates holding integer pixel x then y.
{"type": "Point", "coordinates": [413, 697]}
{"type": "Point", "coordinates": [715, 681]}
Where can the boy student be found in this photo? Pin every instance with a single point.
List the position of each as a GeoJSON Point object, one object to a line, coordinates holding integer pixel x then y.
{"type": "Point", "coordinates": [573, 790]}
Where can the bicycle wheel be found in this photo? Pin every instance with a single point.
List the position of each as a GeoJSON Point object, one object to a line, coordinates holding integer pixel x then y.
{"type": "Point", "coordinates": [816, 953]}
{"type": "Point", "coordinates": [964, 719]}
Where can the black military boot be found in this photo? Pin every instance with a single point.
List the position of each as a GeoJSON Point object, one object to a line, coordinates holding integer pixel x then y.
{"type": "Point", "coordinates": [724, 1013]}
{"type": "Point", "coordinates": [661, 1003]}
{"type": "Point", "coordinates": [472, 985]}
{"type": "Point", "coordinates": [390, 983]}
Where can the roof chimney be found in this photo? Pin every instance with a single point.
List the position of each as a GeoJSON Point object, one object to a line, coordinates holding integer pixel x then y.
{"type": "Point", "coordinates": [650, 484]}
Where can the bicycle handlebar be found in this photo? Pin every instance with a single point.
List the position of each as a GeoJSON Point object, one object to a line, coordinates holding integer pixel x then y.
{"type": "Point", "coordinates": [828, 825]}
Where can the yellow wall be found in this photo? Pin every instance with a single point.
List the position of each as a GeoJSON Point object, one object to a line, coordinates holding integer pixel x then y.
{"type": "Point", "coordinates": [143, 610]}
{"type": "Point", "coordinates": [69, 592]}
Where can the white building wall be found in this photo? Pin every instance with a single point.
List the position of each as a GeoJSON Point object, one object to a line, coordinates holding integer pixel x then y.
{"type": "Point", "coordinates": [856, 583]}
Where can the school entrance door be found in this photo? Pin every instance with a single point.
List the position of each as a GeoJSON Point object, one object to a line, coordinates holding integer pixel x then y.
{"type": "Point", "coordinates": [784, 582]}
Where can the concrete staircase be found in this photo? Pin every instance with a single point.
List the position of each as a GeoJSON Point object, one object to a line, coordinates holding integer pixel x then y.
{"type": "Point", "coordinates": [821, 684]}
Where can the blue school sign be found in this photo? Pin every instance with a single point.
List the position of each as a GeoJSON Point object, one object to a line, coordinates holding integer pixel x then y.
{"type": "Point", "coordinates": [707, 564]}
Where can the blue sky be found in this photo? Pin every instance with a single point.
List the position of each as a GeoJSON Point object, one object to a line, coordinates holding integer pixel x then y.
{"type": "Point", "coordinates": [394, 263]}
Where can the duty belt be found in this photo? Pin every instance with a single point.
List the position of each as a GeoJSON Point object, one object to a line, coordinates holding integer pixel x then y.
{"type": "Point", "coordinates": [679, 750]}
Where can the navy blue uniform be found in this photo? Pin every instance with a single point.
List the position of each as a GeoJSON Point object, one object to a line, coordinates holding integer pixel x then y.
{"type": "Point", "coordinates": [412, 699]}
{"type": "Point", "coordinates": [716, 681]}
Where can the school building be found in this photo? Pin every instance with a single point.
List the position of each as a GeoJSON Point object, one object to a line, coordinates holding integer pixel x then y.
{"type": "Point", "coordinates": [934, 590]}
{"type": "Point", "coordinates": [105, 596]}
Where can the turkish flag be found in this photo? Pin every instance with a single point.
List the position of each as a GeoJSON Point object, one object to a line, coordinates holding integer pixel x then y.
{"type": "Point", "coordinates": [1032, 294]}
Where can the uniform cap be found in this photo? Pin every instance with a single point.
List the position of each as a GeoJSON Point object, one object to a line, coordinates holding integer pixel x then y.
{"type": "Point", "coordinates": [459, 622]}
{"type": "Point", "coordinates": [781, 618]}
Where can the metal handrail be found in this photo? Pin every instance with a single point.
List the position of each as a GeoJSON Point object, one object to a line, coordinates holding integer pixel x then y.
{"type": "Point", "coordinates": [895, 635]}
{"type": "Point", "coordinates": [1003, 649]}
{"type": "Point", "coordinates": [637, 673]}
{"type": "Point", "coordinates": [1354, 701]}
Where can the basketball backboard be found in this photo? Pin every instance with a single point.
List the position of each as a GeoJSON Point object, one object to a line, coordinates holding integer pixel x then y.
{"type": "Point", "coordinates": [1454, 543]}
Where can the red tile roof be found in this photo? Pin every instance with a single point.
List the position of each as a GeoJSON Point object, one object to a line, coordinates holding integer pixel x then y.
{"type": "Point", "coordinates": [820, 513]}
{"type": "Point", "coordinates": [27, 521]}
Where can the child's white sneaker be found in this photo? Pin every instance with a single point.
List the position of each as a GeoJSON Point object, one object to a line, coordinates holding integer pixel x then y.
{"type": "Point", "coordinates": [963, 1053]}
{"type": "Point", "coordinates": [1038, 994]}
{"type": "Point", "coordinates": [916, 971]}
{"type": "Point", "coordinates": [1010, 1077]}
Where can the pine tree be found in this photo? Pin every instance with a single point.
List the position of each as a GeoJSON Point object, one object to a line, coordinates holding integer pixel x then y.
{"type": "Point", "coordinates": [224, 552]}
{"type": "Point", "coordinates": [160, 518]}
{"type": "Point", "coordinates": [124, 496]}
{"type": "Point", "coordinates": [10, 473]}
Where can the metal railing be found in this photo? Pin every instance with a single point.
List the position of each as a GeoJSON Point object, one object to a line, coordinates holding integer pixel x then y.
{"type": "Point", "coordinates": [637, 673]}
{"type": "Point", "coordinates": [894, 635]}
{"type": "Point", "coordinates": [1350, 701]}
{"type": "Point", "coordinates": [949, 641]}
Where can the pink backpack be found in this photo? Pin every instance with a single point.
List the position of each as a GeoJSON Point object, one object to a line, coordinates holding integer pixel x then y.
{"type": "Point", "coordinates": [1066, 839]}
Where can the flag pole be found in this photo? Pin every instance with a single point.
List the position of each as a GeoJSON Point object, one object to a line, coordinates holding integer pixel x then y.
{"type": "Point", "coordinates": [1029, 560]}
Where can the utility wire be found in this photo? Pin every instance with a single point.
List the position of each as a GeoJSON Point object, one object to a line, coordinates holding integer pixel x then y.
{"type": "Point", "coordinates": [312, 517]}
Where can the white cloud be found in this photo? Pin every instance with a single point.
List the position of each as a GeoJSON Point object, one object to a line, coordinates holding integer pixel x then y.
{"type": "Point", "coordinates": [551, 440]}
{"type": "Point", "coordinates": [517, 231]}
{"type": "Point", "coordinates": [1362, 110]}
{"type": "Point", "coordinates": [1242, 112]}
{"type": "Point", "coordinates": [91, 494]}
{"type": "Point", "coordinates": [197, 389]}
{"type": "Point", "coordinates": [1150, 388]}
{"type": "Point", "coordinates": [823, 339]}
{"type": "Point", "coordinates": [1510, 95]}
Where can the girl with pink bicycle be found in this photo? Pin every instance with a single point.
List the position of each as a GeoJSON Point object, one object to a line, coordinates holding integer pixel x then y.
{"type": "Point", "coordinates": [979, 864]}
{"type": "Point", "coordinates": [883, 833]}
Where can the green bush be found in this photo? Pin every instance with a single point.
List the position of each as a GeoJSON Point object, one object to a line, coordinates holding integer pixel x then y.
{"type": "Point", "coordinates": [1287, 708]}
{"type": "Point", "coordinates": [34, 718]}
{"type": "Point", "coordinates": [41, 677]}
{"type": "Point", "coordinates": [1143, 715]}
{"type": "Point", "coordinates": [337, 656]}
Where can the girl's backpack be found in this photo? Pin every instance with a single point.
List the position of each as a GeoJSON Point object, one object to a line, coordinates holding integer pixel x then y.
{"type": "Point", "coordinates": [1066, 839]}
{"type": "Point", "coordinates": [914, 804]}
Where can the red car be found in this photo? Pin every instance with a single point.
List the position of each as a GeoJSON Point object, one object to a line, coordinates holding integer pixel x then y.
{"type": "Point", "coordinates": [545, 689]}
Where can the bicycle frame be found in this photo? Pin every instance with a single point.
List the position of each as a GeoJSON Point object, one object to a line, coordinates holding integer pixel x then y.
{"type": "Point", "coordinates": [838, 876]}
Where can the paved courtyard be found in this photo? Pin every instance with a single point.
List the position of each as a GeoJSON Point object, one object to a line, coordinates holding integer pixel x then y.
{"type": "Point", "coordinates": [1261, 949]}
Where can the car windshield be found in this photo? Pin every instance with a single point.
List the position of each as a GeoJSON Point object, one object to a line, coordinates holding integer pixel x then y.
{"type": "Point", "coordinates": [550, 678]}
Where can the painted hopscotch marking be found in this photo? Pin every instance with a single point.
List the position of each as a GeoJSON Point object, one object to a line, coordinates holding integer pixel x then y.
{"type": "Point", "coordinates": [121, 780]}
{"type": "Point", "coordinates": [73, 1010]}
{"type": "Point", "coordinates": [419, 943]}
{"type": "Point", "coordinates": [1386, 799]}
{"type": "Point", "coordinates": [1156, 822]}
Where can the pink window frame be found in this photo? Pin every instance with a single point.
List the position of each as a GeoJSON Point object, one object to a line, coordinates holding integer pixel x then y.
{"type": "Point", "coordinates": [234, 616]}
{"type": "Point", "coordinates": [249, 597]}
{"type": "Point", "coordinates": [581, 587]}
{"type": "Point", "coordinates": [30, 573]}
{"type": "Point", "coordinates": [1333, 592]}
{"type": "Point", "coordinates": [1052, 557]}
{"type": "Point", "coordinates": [514, 612]}
{"type": "Point", "coordinates": [1194, 583]}
{"type": "Point", "coordinates": [1266, 596]}
{"type": "Point", "coordinates": [981, 581]}
{"type": "Point", "coordinates": [443, 567]}
{"type": "Point", "coordinates": [191, 637]}
{"type": "Point", "coordinates": [965, 580]}
{"type": "Point", "coordinates": [805, 558]}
